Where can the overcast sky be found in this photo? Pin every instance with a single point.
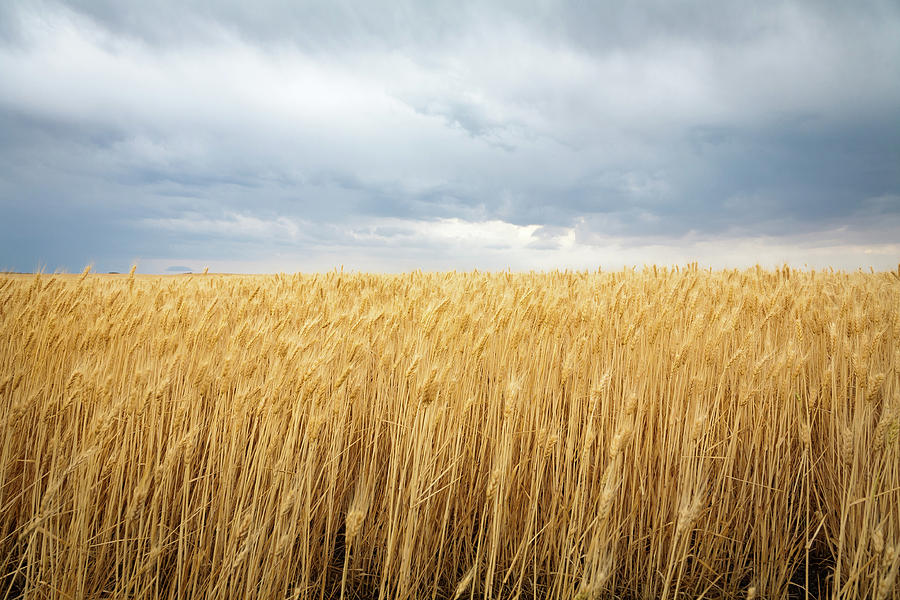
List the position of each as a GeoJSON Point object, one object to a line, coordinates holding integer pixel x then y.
{"type": "Point", "coordinates": [296, 136]}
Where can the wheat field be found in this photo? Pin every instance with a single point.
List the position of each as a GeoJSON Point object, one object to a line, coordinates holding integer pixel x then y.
{"type": "Point", "coordinates": [645, 433]}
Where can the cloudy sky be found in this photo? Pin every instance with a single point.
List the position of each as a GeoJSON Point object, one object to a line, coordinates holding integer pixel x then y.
{"type": "Point", "coordinates": [297, 136]}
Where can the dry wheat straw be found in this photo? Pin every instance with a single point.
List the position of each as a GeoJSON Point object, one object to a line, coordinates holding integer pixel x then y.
{"type": "Point", "coordinates": [640, 433]}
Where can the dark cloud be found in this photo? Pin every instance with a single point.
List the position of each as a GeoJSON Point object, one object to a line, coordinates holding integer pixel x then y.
{"type": "Point", "coordinates": [178, 132]}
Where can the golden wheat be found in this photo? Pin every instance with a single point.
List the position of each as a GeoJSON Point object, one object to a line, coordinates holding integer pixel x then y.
{"type": "Point", "coordinates": [656, 433]}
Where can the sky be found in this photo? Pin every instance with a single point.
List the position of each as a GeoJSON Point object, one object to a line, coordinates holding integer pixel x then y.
{"type": "Point", "coordinates": [278, 135]}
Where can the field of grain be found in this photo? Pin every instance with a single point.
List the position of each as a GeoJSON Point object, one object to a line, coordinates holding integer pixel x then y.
{"type": "Point", "coordinates": [654, 433]}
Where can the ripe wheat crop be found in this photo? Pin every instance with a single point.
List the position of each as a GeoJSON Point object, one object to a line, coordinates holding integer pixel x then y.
{"type": "Point", "coordinates": [655, 433]}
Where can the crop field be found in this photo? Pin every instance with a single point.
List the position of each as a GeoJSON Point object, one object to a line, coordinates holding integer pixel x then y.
{"type": "Point", "coordinates": [645, 433]}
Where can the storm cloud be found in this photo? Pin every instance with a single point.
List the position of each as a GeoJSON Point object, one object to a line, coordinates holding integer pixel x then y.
{"type": "Point", "coordinates": [292, 136]}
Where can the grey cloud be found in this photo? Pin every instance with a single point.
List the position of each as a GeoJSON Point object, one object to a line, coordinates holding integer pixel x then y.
{"type": "Point", "coordinates": [389, 232]}
{"type": "Point", "coordinates": [186, 130]}
{"type": "Point", "coordinates": [597, 26]}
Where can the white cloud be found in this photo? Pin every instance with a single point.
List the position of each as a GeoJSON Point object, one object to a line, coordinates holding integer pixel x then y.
{"type": "Point", "coordinates": [233, 225]}
{"type": "Point", "coordinates": [444, 244]}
